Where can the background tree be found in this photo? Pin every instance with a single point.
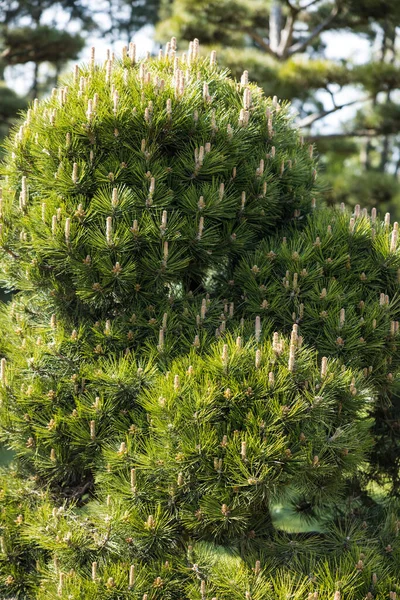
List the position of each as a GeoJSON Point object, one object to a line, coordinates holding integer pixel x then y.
{"type": "Point", "coordinates": [27, 41]}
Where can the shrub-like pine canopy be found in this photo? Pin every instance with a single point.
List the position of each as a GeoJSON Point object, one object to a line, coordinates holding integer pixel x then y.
{"type": "Point", "coordinates": [158, 229]}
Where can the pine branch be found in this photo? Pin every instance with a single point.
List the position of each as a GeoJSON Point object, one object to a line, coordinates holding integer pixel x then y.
{"type": "Point", "coordinates": [302, 45]}
{"type": "Point", "coordinates": [310, 119]}
{"type": "Point", "coordinates": [260, 41]}
{"type": "Point", "coordinates": [350, 134]}
{"type": "Point", "coordinates": [11, 253]}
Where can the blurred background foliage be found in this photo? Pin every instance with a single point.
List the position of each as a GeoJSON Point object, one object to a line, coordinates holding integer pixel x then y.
{"type": "Point", "coordinates": [296, 49]}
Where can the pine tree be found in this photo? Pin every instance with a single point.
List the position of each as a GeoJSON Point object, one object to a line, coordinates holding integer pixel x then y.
{"type": "Point", "coordinates": [169, 372]}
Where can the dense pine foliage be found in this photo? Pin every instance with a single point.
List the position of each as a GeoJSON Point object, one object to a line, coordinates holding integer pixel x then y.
{"type": "Point", "coordinates": [192, 341]}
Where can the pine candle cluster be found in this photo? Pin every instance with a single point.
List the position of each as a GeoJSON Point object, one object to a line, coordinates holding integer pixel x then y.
{"type": "Point", "coordinates": [192, 340]}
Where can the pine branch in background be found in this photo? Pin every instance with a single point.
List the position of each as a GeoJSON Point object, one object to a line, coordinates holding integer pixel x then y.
{"type": "Point", "coordinates": [25, 39]}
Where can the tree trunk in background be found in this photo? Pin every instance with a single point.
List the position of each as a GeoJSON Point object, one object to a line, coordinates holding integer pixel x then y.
{"type": "Point", "coordinates": [386, 153]}
{"type": "Point", "coordinates": [275, 25]}
{"type": "Point", "coordinates": [35, 84]}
